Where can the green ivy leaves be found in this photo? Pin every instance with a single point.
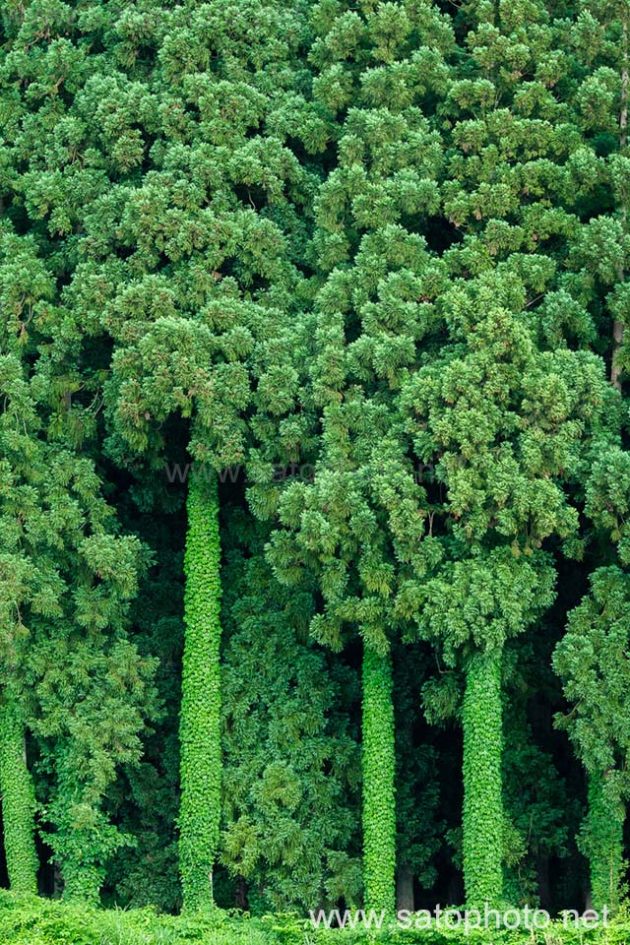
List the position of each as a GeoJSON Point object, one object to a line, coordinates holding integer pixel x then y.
{"type": "Point", "coordinates": [379, 802]}
{"type": "Point", "coordinates": [200, 714]}
{"type": "Point", "coordinates": [18, 802]}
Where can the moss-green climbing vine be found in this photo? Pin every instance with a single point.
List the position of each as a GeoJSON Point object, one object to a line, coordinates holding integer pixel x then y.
{"type": "Point", "coordinates": [18, 803]}
{"type": "Point", "coordinates": [591, 660]}
{"type": "Point", "coordinates": [199, 731]}
{"type": "Point", "coordinates": [83, 840]}
{"type": "Point", "coordinates": [602, 843]}
{"type": "Point", "coordinates": [483, 803]}
{"type": "Point", "coordinates": [378, 758]}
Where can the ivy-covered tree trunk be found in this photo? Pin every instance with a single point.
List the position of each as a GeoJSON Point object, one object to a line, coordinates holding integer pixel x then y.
{"type": "Point", "coordinates": [83, 884]}
{"type": "Point", "coordinates": [82, 881]}
{"type": "Point", "coordinates": [80, 839]}
{"type": "Point", "coordinates": [199, 731]}
{"type": "Point", "coordinates": [483, 802]}
{"type": "Point", "coordinates": [603, 844]}
{"type": "Point", "coordinates": [379, 802]}
{"type": "Point", "coordinates": [18, 803]}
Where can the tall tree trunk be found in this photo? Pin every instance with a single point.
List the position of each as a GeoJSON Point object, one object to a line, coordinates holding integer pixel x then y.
{"type": "Point", "coordinates": [544, 884]}
{"type": "Point", "coordinates": [483, 801]}
{"type": "Point", "coordinates": [404, 890]}
{"type": "Point", "coordinates": [240, 897]}
{"type": "Point", "coordinates": [604, 844]}
{"type": "Point", "coordinates": [18, 803]}
{"type": "Point", "coordinates": [379, 802]}
{"type": "Point", "coordinates": [199, 730]}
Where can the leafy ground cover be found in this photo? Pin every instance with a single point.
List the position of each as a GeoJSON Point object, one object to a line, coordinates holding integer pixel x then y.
{"type": "Point", "coordinates": [31, 921]}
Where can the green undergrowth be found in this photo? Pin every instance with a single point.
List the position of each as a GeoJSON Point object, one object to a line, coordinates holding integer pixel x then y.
{"type": "Point", "coordinates": [33, 921]}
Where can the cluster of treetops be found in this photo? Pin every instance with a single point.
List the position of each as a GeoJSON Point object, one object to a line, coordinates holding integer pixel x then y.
{"type": "Point", "coordinates": [314, 466]}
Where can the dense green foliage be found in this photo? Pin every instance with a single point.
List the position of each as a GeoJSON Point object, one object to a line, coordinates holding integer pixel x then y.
{"type": "Point", "coordinates": [291, 766]}
{"type": "Point", "coordinates": [314, 466]}
{"type": "Point", "coordinates": [49, 923]}
{"type": "Point", "coordinates": [592, 658]}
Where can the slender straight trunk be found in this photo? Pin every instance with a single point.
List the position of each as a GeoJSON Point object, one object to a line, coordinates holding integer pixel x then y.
{"type": "Point", "coordinates": [18, 803]}
{"type": "Point", "coordinates": [379, 801]}
{"type": "Point", "coordinates": [199, 729]}
{"type": "Point", "coordinates": [604, 844]}
{"type": "Point", "coordinates": [483, 801]}
{"type": "Point", "coordinates": [618, 326]}
{"type": "Point", "coordinates": [543, 877]}
{"type": "Point", "coordinates": [404, 890]}
{"type": "Point", "coordinates": [240, 897]}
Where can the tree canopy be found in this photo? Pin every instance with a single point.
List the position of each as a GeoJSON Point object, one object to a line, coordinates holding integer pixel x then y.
{"type": "Point", "coordinates": [315, 482]}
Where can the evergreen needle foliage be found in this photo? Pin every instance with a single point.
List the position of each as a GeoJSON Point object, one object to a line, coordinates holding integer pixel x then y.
{"type": "Point", "coordinates": [314, 466]}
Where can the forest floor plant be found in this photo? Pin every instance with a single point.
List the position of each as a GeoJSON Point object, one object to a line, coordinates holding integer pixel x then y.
{"type": "Point", "coordinates": [28, 920]}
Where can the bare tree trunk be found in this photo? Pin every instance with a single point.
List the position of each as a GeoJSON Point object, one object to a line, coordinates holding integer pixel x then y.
{"type": "Point", "coordinates": [544, 883]}
{"type": "Point", "coordinates": [404, 890]}
{"type": "Point", "coordinates": [241, 894]}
